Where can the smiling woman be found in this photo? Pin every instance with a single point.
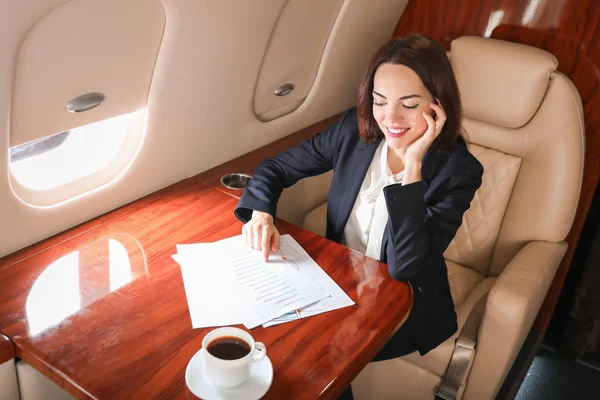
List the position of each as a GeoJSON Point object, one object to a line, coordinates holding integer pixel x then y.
{"type": "Point", "coordinates": [402, 80]}
{"type": "Point", "coordinates": [402, 181]}
{"type": "Point", "coordinates": [398, 114]}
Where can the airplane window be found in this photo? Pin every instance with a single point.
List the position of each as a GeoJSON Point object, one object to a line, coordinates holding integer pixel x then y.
{"type": "Point", "coordinates": [64, 157]}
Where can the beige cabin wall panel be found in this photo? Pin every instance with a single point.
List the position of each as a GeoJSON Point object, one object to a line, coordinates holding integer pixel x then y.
{"type": "Point", "coordinates": [84, 46]}
{"type": "Point", "coordinates": [293, 55]}
{"type": "Point", "coordinates": [200, 111]}
{"type": "Point", "coordinates": [212, 120]}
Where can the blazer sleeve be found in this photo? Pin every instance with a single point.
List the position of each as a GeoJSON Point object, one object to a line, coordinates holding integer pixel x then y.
{"type": "Point", "coordinates": [419, 232]}
{"type": "Point", "coordinates": [313, 157]}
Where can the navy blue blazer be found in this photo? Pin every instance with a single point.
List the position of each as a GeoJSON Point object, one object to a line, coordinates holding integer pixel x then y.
{"type": "Point", "coordinates": [423, 216]}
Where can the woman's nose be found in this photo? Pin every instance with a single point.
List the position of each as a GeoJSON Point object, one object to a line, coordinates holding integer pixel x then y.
{"type": "Point", "coordinates": [395, 114]}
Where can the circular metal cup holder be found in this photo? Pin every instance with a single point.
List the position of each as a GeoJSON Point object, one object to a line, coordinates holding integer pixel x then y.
{"type": "Point", "coordinates": [236, 181]}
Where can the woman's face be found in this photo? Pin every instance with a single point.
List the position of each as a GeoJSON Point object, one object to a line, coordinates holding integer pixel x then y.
{"type": "Point", "coordinates": [399, 100]}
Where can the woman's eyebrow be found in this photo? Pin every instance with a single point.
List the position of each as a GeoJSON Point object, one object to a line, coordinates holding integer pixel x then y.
{"type": "Point", "coordinates": [410, 96]}
{"type": "Point", "coordinates": [379, 94]}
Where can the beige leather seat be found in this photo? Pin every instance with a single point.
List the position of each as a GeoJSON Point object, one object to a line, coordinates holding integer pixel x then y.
{"type": "Point", "coordinates": [9, 387]}
{"type": "Point", "coordinates": [525, 124]}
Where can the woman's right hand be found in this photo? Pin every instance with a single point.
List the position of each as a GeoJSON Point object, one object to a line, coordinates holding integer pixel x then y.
{"type": "Point", "coordinates": [260, 233]}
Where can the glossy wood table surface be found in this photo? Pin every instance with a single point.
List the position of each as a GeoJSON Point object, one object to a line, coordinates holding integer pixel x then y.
{"type": "Point", "coordinates": [105, 316]}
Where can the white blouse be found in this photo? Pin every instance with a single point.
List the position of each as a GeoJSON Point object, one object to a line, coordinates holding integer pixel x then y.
{"type": "Point", "coordinates": [364, 229]}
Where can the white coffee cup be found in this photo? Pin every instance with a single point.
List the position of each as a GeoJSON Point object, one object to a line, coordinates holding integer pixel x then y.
{"type": "Point", "coordinates": [229, 373]}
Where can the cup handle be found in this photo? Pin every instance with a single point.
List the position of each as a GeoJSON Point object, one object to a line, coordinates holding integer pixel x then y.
{"type": "Point", "coordinates": [261, 353]}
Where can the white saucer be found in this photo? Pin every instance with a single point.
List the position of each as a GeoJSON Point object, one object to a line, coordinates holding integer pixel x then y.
{"type": "Point", "coordinates": [257, 384]}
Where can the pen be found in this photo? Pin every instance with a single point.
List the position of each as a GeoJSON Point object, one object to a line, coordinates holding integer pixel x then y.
{"type": "Point", "coordinates": [282, 256]}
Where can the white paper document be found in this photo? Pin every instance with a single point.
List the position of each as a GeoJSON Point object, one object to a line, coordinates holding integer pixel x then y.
{"type": "Point", "coordinates": [337, 297]}
{"type": "Point", "coordinates": [227, 283]}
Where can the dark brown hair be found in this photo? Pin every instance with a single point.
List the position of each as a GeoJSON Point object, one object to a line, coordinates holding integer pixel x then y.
{"type": "Point", "coordinates": [427, 58]}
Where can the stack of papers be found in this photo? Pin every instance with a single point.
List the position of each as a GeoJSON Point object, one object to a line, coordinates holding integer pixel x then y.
{"type": "Point", "coordinates": [228, 283]}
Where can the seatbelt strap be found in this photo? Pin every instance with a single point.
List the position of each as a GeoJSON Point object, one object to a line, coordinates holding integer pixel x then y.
{"type": "Point", "coordinates": [462, 356]}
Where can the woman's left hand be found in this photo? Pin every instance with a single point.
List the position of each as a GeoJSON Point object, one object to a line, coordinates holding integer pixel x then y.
{"type": "Point", "coordinates": [417, 149]}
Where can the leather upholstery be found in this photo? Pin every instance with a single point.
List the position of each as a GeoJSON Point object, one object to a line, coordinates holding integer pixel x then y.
{"type": "Point", "coordinates": [297, 200]}
{"type": "Point", "coordinates": [414, 376]}
{"type": "Point", "coordinates": [475, 240]}
{"type": "Point", "coordinates": [546, 192]}
{"type": "Point", "coordinates": [497, 96]}
{"type": "Point", "coordinates": [511, 309]}
{"type": "Point", "coordinates": [462, 282]}
{"type": "Point", "coordinates": [524, 122]}
{"type": "Point", "coordinates": [9, 388]}
{"type": "Point", "coordinates": [35, 386]}
{"type": "Point", "coordinates": [316, 220]}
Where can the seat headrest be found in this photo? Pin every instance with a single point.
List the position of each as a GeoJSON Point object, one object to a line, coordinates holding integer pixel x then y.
{"type": "Point", "coordinates": [500, 82]}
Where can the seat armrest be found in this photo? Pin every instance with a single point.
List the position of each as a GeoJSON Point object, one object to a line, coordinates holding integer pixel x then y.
{"type": "Point", "coordinates": [512, 306]}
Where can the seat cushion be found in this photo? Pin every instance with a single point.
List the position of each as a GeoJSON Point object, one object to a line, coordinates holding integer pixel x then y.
{"type": "Point", "coordinates": [462, 281]}
{"type": "Point", "coordinates": [466, 287]}
{"type": "Point", "coordinates": [416, 376]}
{"type": "Point", "coordinates": [316, 220]}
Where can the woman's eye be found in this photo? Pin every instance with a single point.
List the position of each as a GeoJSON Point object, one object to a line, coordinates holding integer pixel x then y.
{"type": "Point", "coordinates": [410, 107]}
{"type": "Point", "coordinates": [378, 104]}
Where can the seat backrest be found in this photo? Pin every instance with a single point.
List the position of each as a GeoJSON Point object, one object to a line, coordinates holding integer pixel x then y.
{"type": "Point", "coordinates": [524, 122]}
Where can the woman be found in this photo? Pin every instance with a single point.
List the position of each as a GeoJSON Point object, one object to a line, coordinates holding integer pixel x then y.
{"type": "Point", "coordinates": [403, 178]}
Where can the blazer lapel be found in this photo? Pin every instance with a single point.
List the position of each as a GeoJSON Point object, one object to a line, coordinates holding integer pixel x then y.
{"type": "Point", "coordinates": [354, 174]}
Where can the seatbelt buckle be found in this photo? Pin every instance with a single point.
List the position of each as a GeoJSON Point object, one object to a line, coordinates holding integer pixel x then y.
{"type": "Point", "coordinates": [441, 395]}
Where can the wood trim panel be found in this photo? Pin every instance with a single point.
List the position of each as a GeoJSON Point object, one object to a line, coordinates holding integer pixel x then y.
{"type": "Point", "coordinates": [131, 337]}
{"type": "Point", "coordinates": [566, 28]}
{"type": "Point", "coordinates": [7, 349]}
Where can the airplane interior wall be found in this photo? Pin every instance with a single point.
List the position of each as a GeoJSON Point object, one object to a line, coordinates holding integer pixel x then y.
{"type": "Point", "coordinates": [200, 99]}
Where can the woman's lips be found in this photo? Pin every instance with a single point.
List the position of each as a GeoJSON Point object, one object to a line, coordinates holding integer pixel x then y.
{"type": "Point", "coordinates": [397, 132]}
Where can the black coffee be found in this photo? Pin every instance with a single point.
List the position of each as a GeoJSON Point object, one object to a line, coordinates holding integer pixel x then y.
{"type": "Point", "coordinates": [228, 348]}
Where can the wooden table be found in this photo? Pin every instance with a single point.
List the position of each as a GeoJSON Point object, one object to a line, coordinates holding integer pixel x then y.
{"type": "Point", "coordinates": [103, 313]}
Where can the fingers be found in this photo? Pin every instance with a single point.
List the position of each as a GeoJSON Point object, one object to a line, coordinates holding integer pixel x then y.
{"type": "Point", "coordinates": [244, 234]}
{"type": "Point", "coordinates": [252, 235]}
{"type": "Point", "coordinates": [247, 235]}
{"type": "Point", "coordinates": [260, 233]}
{"type": "Point", "coordinates": [441, 117]}
{"type": "Point", "coordinates": [439, 112]}
{"type": "Point", "coordinates": [430, 124]}
{"type": "Point", "coordinates": [265, 243]}
{"type": "Point", "coordinates": [257, 236]}
{"type": "Point", "coordinates": [275, 240]}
